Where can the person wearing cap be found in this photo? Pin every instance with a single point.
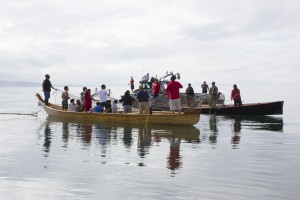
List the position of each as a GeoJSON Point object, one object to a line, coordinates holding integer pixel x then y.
{"type": "Point", "coordinates": [204, 87]}
{"type": "Point", "coordinates": [47, 88]}
{"type": "Point", "coordinates": [189, 95]}
{"type": "Point", "coordinates": [174, 95]}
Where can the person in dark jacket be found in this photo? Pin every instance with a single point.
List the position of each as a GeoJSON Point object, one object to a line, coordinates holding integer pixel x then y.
{"type": "Point", "coordinates": [143, 98]}
{"type": "Point", "coordinates": [127, 100]}
{"type": "Point", "coordinates": [189, 95]}
{"type": "Point", "coordinates": [47, 88]}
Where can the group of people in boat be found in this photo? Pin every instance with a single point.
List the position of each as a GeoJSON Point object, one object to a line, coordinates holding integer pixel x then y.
{"type": "Point", "coordinates": [215, 96]}
{"type": "Point", "coordinates": [103, 104]}
{"type": "Point", "coordinates": [145, 99]}
{"type": "Point", "coordinates": [85, 101]}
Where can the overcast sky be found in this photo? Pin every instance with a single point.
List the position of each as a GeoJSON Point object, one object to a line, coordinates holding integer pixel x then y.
{"type": "Point", "coordinates": [90, 42]}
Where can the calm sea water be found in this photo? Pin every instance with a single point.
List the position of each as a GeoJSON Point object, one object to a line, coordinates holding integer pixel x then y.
{"type": "Point", "coordinates": [218, 158]}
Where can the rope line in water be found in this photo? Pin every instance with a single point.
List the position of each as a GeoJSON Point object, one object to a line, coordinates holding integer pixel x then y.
{"type": "Point", "coordinates": [29, 114]}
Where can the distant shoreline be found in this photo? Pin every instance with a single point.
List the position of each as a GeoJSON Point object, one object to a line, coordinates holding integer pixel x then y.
{"type": "Point", "coordinates": [25, 84]}
{"type": "Point", "coordinates": [18, 83]}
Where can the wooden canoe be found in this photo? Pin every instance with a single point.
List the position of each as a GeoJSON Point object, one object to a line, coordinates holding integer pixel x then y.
{"type": "Point", "coordinates": [158, 117]}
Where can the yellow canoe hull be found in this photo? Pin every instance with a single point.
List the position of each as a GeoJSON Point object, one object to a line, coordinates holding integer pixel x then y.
{"type": "Point", "coordinates": [158, 118]}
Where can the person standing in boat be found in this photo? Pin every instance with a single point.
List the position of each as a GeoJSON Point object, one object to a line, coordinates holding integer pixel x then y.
{"type": "Point", "coordinates": [204, 87]}
{"type": "Point", "coordinates": [143, 98]}
{"type": "Point", "coordinates": [156, 88]}
{"type": "Point", "coordinates": [88, 100]}
{"type": "Point", "coordinates": [47, 88]}
{"type": "Point", "coordinates": [236, 96]}
{"type": "Point", "coordinates": [127, 101]}
{"type": "Point", "coordinates": [65, 97]}
{"type": "Point", "coordinates": [102, 95]}
{"type": "Point", "coordinates": [145, 78]}
{"type": "Point", "coordinates": [174, 95]}
{"type": "Point", "coordinates": [189, 95]}
{"type": "Point", "coordinates": [82, 94]}
{"type": "Point", "coordinates": [213, 92]}
{"type": "Point", "coordinates": [131, 83]}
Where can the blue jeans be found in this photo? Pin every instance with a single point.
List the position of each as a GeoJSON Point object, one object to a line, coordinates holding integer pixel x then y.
{"type": "Point", "coordinates": [47, 96]}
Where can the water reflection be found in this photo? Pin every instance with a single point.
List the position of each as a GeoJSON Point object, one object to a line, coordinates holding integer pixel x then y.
{"type": "Point", "coordinates": [236, 136]}
{"type": "Point", "coordinates": [65, 133]}
{"type": "Point", "coordinates": [239, 123]}
{"type": "Point", "coordinates": [127, 137]}
{"type": "Point", "coordinates": [174, 159]}
{"type": "Point", "coordinates": [134, 138]}
{"type": "Point", "coordinates": [47, 140]}
{"type": "Point", "coordinates": [144, 141]}
{"type": "Point", "coordinates": [176, 135]}
{"type": "Point", "coordinates": [214, 129]}
{"type": "Point", "coordinates": [268, 123]}
{"type": "Point", "coordinates": [87, 134]}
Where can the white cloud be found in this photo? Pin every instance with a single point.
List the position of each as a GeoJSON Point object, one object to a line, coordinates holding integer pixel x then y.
{"type": "Point", "coordinates": [87, 42]}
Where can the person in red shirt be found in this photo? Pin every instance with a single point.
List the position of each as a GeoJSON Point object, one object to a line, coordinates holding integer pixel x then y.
{"type": "Point", "coordinates": [236, 96]}
{"type": "Point", "coordinates": [156, 88]}
{"type": "Point", "coordinates": [174, 95]}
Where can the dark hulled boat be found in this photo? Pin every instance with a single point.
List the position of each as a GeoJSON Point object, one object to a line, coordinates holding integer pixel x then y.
{"type": "Point", "coordinates": [266, 108]}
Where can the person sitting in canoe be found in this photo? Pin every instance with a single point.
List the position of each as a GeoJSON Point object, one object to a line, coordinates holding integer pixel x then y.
{"type": "Point", "coordinates": [98, 108]}
{"type": "Point", "coordinates": [79, 106]}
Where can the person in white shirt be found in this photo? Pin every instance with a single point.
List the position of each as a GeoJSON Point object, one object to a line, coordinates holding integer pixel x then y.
{"type": "Point", "coordinates": [146, 78]}
{"type": "Point", "coordinates": [221, 98]}
{"type": "Point", "coordinates": [72, 105]}
{"type": "Point", "coordinates": [102, 95]}
{"type": "Point", "coordinates": [114, 107]}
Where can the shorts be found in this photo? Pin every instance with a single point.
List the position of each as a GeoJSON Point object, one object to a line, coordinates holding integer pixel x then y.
{"type": "Point", "coordinates": [175, 104]}
{"type": "Point", "coordinates": [65, 104]}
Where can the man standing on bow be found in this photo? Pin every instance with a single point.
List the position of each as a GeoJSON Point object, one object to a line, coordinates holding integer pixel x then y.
{"type": "Point", "coordinates": [47, 88]}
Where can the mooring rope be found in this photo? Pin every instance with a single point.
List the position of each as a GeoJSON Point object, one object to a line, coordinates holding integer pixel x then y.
{"type": "Point", "coordinates": [29, 114]}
